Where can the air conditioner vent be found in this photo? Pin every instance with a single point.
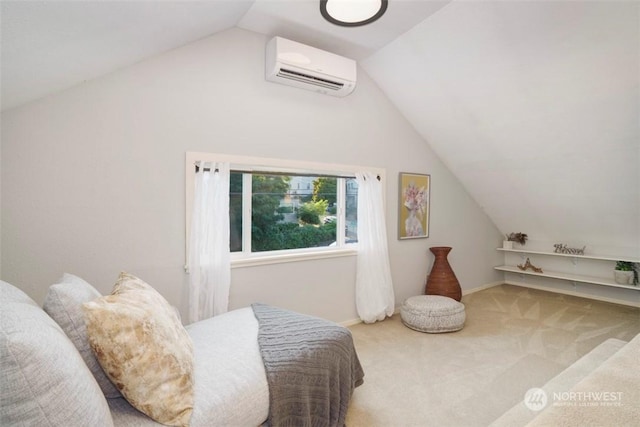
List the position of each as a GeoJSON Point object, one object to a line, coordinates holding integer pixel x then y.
{"type": "Point", "coordinates": [306, 78]}
{"type": "Point", "coordinates": [294, 64]}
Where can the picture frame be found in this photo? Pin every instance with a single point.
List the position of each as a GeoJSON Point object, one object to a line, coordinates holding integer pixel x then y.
{"type": "Point", "coordinates": [413, 205]}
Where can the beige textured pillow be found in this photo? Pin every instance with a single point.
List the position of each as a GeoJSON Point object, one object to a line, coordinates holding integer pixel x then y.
{"type": "Point", "coordinates": [144, 349]}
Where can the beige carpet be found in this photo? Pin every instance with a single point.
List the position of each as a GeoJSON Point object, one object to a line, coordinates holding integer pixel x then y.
{"type": "Point", "coordinates": [514, 339]}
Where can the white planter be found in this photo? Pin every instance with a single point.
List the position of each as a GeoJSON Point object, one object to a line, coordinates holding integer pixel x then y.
{"type": "Point", "coordinates": [623, 277]}
{"type": "Point", "coordinates": [507, 244]}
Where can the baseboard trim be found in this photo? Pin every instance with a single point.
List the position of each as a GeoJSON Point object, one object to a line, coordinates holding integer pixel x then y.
{"type": "Point", "coordinates": [352, 322]}
{"type": "Point", "coordinates": [481, 288]}
{"type": "Point", "coordinates": [572, 293]}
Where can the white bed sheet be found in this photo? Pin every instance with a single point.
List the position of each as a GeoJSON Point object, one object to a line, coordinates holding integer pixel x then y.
{"type": "Point", "coordinates": [231, 385]}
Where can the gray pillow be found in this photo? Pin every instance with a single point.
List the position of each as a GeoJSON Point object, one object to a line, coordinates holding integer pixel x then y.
{"type": "Point", "coordinates": [44, 381]}
{"type": "Point", "coordinates": [64, 304]}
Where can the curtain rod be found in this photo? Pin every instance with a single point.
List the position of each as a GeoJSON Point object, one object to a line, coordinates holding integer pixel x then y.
{"type": "Point", "coordinates": [259, 172]}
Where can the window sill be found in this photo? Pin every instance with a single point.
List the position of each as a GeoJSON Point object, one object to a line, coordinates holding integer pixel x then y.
{"type": "Point", "coordinates": [264, 259]}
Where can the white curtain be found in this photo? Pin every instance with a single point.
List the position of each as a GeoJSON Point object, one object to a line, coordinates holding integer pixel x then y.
{"type": "Point", "coordinates": [209, 255]}
{"type": "Point", "coordinates": [374, 288]}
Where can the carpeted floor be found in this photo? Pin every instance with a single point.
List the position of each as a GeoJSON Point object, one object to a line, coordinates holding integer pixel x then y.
{"type": "Point", "coordinates": [514, 338]}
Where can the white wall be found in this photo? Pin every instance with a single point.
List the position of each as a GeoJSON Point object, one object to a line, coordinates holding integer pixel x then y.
{"type": "Point", "coordinates": [535, 107]}
{"type": "Point", "coordinates": [93, 177]}
{"type": "Point", "coordinates": [0, 207]}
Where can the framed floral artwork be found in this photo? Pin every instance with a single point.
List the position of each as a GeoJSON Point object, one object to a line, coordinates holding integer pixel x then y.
{"type": "Point", "coordinates": [413, 203]}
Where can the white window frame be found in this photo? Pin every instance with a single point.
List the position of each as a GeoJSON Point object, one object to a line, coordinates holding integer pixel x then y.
{"type": "Point", "coordinates": [263, 164]}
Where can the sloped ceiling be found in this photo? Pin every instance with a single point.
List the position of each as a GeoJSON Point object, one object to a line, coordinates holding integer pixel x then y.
{"type": "Point", "coordinates": [48, 46]}
{"type": "Point", "coordinates": [535, 106]}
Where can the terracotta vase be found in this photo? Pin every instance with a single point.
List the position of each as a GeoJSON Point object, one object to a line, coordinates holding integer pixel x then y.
{"type": "Point", "coordinates": [442, 280]}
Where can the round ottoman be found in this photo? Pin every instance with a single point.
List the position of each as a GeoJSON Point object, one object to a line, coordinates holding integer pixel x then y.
{"type": "Point", "coordinates": [433, 314]}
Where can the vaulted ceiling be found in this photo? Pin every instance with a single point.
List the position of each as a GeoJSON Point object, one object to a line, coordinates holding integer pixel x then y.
{"type": "Point", "coordinates": [535, 106]}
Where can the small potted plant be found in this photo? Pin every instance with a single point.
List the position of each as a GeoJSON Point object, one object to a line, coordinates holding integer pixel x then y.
{"type": "Point", "coordinates": [514, 237]}
{"type": "Point", "coordinates": [625, 273]}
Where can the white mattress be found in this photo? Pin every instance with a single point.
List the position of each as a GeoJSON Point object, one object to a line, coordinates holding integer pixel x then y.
{"type": "Point", "coordinates": [231, 386]}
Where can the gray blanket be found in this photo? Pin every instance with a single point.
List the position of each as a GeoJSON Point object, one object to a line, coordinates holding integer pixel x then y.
{"type": "Point", "coordinates": [311, 365]}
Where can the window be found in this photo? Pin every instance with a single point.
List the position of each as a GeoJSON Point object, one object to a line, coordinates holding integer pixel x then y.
{"type": "Point", "coordinates": [282, 210]}
{"type": "Point", "coordinates": [291, 211]}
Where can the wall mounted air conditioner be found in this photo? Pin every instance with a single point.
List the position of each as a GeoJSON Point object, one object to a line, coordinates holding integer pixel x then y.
{"type": "Point", "coordinates": [295, 64]}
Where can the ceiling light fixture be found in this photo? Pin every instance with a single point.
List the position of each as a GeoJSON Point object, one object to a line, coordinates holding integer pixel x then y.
{"type": "Point", "coordinates": [352, 13]}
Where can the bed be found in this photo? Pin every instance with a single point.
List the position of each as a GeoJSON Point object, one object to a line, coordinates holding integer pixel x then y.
{"type": "Point", "coordinates": [253, 366]}
{"type": "Point", "coordinates": [231, 387]}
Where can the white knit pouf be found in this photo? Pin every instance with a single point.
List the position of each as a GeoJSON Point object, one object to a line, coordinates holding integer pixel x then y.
{"type": "Point", "coordinates": [433, 314]}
